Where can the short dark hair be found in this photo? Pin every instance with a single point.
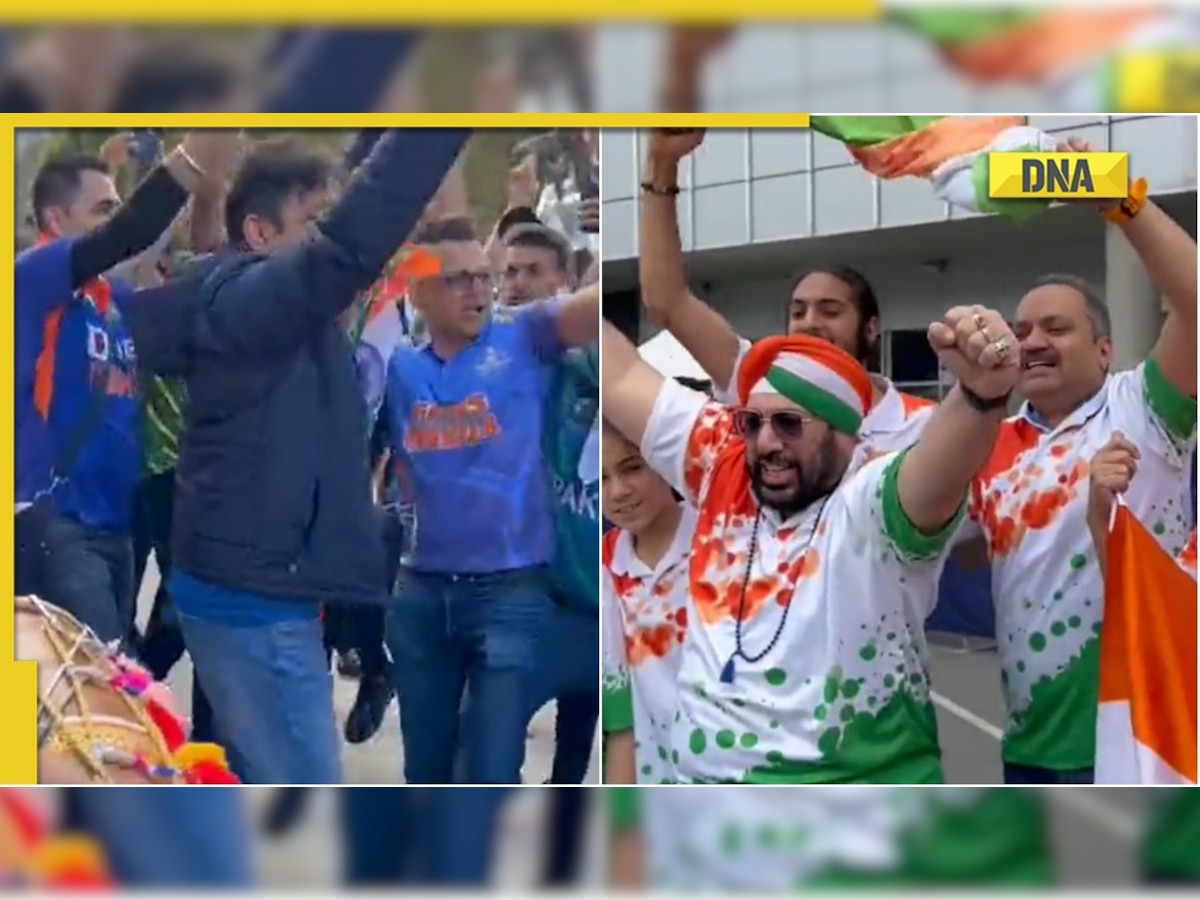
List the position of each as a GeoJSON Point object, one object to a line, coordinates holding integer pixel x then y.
{"type": "Point", "coordinates": [518, 215]}
{"type": "Point", "coordinates": [57, 182]}
{"type": "Point", "coordinates": [1093, 303]}
{"type": "Point", "coordinates": [865, 301]}
{"type": "Point", "coordinates": [442, 231]}
{"type": "Point", "coordinates": [271, 174]}
{"type": "Point", "coordinates": [543, 238]}
{"type": "Point", "coordinates": [172, 79]}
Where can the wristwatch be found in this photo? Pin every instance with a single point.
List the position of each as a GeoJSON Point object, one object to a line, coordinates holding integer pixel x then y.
{"type": "Point", "coordinates": [984, 404]}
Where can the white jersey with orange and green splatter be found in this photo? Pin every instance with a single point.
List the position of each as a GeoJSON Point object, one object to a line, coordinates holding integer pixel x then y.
{"type": "Point", "coordinates": [643, 622]}
{"type": "Point", "coordinates": [1030, 502]}
{"type": "Point", "coordinates": [832, 684]}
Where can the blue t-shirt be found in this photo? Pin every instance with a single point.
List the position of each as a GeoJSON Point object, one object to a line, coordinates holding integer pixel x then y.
{"type": "Point", "coordinates": [571, 442]}
{"type": "Point", "coordinates": [69, 345]}
{"type": "Point", "coordinates": [466, 440]}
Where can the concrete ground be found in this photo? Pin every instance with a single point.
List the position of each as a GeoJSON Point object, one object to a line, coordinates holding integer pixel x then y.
{"type": "Point", "coordinates": [380, 760]}
{"type": "Point", "coordinates": [1095, 829]}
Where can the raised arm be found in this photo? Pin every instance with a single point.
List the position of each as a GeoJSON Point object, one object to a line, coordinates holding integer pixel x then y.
{"type": "Point", "coordinates": [978, 347]}
{"type": "Point", "coordinates": [201, 158]}
{"type": "Point", "coordinates": [579, 318]}
{"type": "Point", "coordinates": [1168, 256]}
{"type": "Point", "coordinates": [628, 386]}
{"type": "Point", "coordinates": [702, 331]}
{"type": "Point", "coordinates": [273, 305]}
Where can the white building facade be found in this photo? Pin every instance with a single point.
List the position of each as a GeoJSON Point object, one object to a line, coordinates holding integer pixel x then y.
{"type": "Point", "coordinates": [758, 208]}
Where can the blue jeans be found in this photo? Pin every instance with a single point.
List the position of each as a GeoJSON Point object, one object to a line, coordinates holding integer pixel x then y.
{"type": "Point", "coordinates": [86, 571]}
{"type": "Point", "coordinates": [1018, 773]}
{"type": "Point", "coordinates": [271, 695]}
{"type": "Point", "coordinates": [420, 835]}
{"type": "Point", "coordinates": [483, 634]}
{"type": "Point", "coordinates": [572, 661]}
{"type": "Point", "coordinates": [169, 837]}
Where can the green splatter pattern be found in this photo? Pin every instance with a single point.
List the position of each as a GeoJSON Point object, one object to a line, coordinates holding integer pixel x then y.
{"type": "Point", "coordinates": [843, 697]}
{"type": "Point", "coordinates": [1049, 593]}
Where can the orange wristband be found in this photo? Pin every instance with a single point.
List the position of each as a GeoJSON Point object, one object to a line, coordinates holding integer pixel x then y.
{"type": "Point", "coordinates": [1131, 205]}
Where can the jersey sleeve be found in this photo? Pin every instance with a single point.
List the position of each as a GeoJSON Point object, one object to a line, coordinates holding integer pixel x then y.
{"type": "Point", "coordinates": [1153, 414]}
{"type": "Point", "coordinates": [617, 695]}
{"type": "Point", "coordinates": [885, 524]}
{"type": "Point", "coordinates": [727, 394]}
{"type": "Point", "coordinates": [684, 436]}
{"type": "Point", "coordinates": [537, 324]}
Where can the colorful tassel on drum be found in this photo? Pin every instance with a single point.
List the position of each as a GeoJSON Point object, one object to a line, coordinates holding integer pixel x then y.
{"type": "Point", "coordinates": [204, 764]}
{"type": "Point", "coordinates": [167, 723]}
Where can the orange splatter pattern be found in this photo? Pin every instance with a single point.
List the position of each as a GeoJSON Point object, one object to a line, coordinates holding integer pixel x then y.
{"type": "Point", "coordinates": [715, 470]}
{"type": "Point", "coordinates": [653, 607]}
{"type": "Point", "coordinates": [1187, 556]}
{"type": "Point", "coordinates": [1016, 494]}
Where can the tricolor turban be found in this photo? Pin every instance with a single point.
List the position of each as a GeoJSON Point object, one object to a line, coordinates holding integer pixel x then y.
{"type": "Point", "coordinates": [824, 380]}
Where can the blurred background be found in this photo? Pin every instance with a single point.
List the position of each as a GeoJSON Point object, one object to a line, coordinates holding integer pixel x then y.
{"type": "Point", "coordinates": [934, 58]}
{"type": "Point", "coordinates": [718, 837]}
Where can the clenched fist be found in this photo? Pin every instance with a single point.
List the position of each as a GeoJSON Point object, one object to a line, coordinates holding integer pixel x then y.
{"type": "Point", "coordinates": [979, 349]}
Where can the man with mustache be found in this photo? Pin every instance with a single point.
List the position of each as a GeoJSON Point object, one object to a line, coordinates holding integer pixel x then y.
{"type": "Point", "coordinates": [1030, 501]}
{"type": "Point", "coordinates": [836, 689]}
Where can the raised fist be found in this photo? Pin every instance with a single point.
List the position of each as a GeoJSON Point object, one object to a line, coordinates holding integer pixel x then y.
{"type": "Point", "coordinates": [979, 349]}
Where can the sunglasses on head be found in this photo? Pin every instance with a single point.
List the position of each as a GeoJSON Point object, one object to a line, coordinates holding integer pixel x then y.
{"type": "Point", "coordinates": [786, 425]}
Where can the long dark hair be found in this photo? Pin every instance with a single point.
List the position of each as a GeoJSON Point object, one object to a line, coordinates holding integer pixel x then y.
{"type": "Point", "coordinates": [867, 350]}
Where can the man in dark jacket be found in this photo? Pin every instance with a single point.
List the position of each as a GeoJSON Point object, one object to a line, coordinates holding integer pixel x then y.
{"type": "Point", "coordinates": [273, 508]}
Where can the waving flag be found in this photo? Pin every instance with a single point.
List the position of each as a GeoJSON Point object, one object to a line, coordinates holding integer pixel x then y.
{"type": "Point", "coordinates": [1073, 51]}
{"type": "Point", "coordinates": [379, 328]}
{"type": "Point", "coordinates": [1146, 727]}
{"type": "Point", "coordinates": [950, 151]}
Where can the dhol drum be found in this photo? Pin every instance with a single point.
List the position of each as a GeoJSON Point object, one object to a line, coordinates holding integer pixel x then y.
{"type": "Point", "coordinates": [32, 855]}
{"type": "Point", "coordinates": [101, 717]}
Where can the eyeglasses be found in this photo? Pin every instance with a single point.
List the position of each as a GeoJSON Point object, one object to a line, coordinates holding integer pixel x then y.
{"type": "Point", "coordinates": [787, 425]}
{"type": "Point", "coordinates": [462, 282]}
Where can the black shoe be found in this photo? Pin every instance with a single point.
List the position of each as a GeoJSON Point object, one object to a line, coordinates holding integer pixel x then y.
{"type": "Point", "coordinates": [374, 695]}
{"type": "Point", "coordinates": [285, 810]}
{"type": "Point", "coordinates": [349, 665]}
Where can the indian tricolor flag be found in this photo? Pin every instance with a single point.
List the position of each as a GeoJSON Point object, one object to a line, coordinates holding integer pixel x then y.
{"type": "Point", "coordinates": [949, 151]}
{"type": "Point", "coordinates": [378, 329]}
{"type": "Point", "coordinates": [1146, 727]}
{"type": "Point", "coordinates": [1072, 51]}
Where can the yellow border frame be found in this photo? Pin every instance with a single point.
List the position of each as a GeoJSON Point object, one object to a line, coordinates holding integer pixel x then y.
{"type": "Point", "coordinates": [18, 681]}
{"type": "Point", "coordinates": [456, 12]}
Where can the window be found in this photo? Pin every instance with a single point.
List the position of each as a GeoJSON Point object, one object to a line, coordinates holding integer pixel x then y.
{"type": "Point", "coordinates": [911, 364]}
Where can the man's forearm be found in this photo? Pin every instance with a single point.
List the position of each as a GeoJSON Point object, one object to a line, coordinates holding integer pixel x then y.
{"type": "Point", "coordinates": [937, 471]}
{"type": "Point", "coordinates": [701, 330]}
{"type": "Point", "coordinates": [133, 228]}
{"type": "Point", "coordinates": [1168, 254]}
{"type": "Point", "coordinates": [661, 271]}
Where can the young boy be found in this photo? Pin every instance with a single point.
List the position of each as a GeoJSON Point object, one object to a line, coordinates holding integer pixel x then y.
{"type": "Point", "coordinates": [644, 609]}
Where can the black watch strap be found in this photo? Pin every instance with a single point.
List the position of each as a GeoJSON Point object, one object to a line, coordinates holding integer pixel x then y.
{"type": "Point", "coordinates": [984, 404]}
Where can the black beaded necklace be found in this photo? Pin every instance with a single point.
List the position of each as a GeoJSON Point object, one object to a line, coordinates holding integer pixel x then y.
{"type": "Point", "coordinates": [727, 673]}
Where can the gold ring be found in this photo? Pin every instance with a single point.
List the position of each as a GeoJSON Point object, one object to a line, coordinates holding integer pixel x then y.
{"type": "Point", "coordinates": [1001, 347]}
{"type": "Point", "coordinates": [987, 336]}
{"type": "Point", "coordinates": [980, 322]}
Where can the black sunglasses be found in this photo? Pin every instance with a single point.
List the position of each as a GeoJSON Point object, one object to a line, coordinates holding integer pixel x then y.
{"type": "Point", "coordinates": [787, 425]}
